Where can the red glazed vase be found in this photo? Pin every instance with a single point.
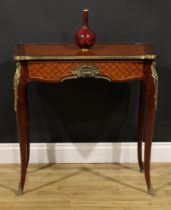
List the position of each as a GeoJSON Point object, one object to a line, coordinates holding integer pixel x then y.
{"type": "Point", "coordinates": [85, 38]}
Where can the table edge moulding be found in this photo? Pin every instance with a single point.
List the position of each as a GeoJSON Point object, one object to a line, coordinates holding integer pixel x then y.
{"type": "Point", "coordinates": [114, 62]}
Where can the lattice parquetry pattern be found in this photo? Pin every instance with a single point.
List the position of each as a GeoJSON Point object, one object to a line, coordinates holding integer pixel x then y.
{"type": "Point", "coordinates": [56, 71]}
{"type": "Point", "coordinates": [122, 70]}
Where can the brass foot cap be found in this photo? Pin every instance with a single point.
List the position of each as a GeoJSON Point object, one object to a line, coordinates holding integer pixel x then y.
{"type": "Point", "coordinates": [20, 191]}
{"type": "Point", "coordinates": [151, 191]}
{"type": "Point", "coordinates": [142, 170]}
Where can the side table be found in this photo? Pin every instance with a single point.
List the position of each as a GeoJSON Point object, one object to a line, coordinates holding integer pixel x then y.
{"type": "Point", "coordinates": [114, 62]}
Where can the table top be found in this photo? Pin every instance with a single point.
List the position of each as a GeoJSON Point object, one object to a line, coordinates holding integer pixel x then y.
{"type": "Point", "coordinates": [61, 51]}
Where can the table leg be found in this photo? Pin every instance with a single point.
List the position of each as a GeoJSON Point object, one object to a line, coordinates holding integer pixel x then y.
{"type": "Point", "coordinates": [141, 125]}
{"type": "Point", "coordinates": [151, 83]}
{"type": "Point", "coordinates": [22, 121]}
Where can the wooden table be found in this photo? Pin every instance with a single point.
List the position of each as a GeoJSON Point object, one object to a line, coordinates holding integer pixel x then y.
{"type": "Point", "coordinates": [114, 62]}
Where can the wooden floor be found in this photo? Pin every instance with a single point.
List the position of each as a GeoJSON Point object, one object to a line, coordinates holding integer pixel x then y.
{"type": "Point", "coordinates": [85, 187]}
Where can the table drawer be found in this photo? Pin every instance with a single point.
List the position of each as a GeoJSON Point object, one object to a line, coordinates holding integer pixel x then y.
{"type": "Point", "coordinates": [58, 71]}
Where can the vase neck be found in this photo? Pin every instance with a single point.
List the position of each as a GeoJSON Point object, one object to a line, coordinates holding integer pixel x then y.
{"type": "Point", "coordinates": [85, 17]}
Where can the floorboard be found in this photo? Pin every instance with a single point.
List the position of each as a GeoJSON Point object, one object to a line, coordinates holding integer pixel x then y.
{"type": "Point", "coordinates": [85, 186]}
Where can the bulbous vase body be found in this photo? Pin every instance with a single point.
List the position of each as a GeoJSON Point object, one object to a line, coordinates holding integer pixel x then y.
{"type": "Point", "coordinates": [85, 38]}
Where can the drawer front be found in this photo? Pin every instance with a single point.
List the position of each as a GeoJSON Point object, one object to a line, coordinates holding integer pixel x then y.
{"type": "Point", "coordinates": [58, 71]}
